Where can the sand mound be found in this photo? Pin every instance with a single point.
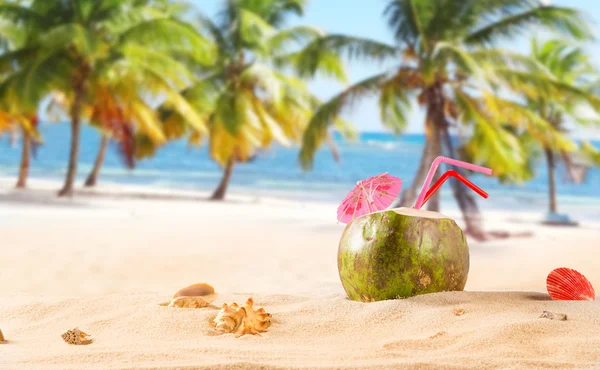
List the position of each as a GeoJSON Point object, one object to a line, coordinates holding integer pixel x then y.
{"type": "Point", "coordinates": [497, 330]}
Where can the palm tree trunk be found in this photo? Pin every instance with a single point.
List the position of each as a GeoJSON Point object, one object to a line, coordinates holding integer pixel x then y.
{"type": "Point", "coordinates": [433, 204]}
{"type": "Point", "coordinates": [219, 193]}
{"type": "Point", "coordinates": [25, 156]}
{"type": "Point", "coordinates": [551, 180]}
{"type": "Point", "coordinates": [67, 189]}
{"type": "Point", "coordinates": [466, 201]}
{"type": "Point", "coordinates": [431, 150]}
{"type": "Point", "coordinates": [409, 195]}
{"type": "Point", "coordinates": [79, 87]}
{"type": "Point", "coordinates": [93, 176]}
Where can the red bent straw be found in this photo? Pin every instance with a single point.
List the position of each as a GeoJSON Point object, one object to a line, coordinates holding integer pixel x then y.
{"type": "Point", "coordinates": [444, 177]}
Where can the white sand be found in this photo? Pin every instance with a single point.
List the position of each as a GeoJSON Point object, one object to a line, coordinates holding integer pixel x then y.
{"type": "Point", "coordinates": [104, 264]}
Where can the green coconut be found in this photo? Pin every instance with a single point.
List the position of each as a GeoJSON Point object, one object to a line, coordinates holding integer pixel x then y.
{"type": "Point", "coordinates": [400, 253]}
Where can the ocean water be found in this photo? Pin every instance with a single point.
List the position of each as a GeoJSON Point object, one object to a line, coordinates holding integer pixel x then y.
{"type": "Point", "coordinates": [276, 171]}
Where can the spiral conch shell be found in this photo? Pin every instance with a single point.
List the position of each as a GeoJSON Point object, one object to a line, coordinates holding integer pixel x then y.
{"type": "Point", "coordinates": [242, 320]}
{"type": "Point", "coordinates": [194, 296]}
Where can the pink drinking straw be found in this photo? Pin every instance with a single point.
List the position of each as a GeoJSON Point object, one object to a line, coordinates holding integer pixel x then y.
{"type": "Point", "coordinates": [458, 176]}
{"type": "Point", "coordinates": [433, 168]}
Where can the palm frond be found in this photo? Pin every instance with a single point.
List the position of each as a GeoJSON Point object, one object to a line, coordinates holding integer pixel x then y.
{"type": "Point", "coordinates": [408, 20]}
{"type": "Point", "coordinates": [522, 117]}
{"type": "Point", "coordinates": [227, 111]}
{"type": "Point", "coordinates": [220, 40]}
{"type": "Point", "coordinates": [177, 103]}
{"type": "Point", "coordinates": [325, 116]}
{"type": "Point", "coordinates": [65, 35]}
{"type": "Point", "coordinates": [590, 152]}
{"type": "Point", "coordinates": [448, 53]}
{"type": "Point", "coordinates": [20, 13]}
{"type": "Point", "coordinates": [298, 35]}
{"type": "Point", "coordinates": [171, 36]}
{"type": "Point", "coordinates": [270, 127]}
{"type": "Point", "coordinates": [254, 31]}
{"type": "Point", "coordinates": [536, 86]}
{"type": "Point", "coordinates": [394, 103]}
{"type": "Point", "coordinates": [261, 76]}
{"type": "Point", "coordinates": [139, 57]}
{"type": "Point", "coordinates": [147, 121]}
{"type": "Point", "coordinates": [323, 55]}
{"type": "Point", "coordinates": [490, 143]}
{"type": "Point", "coordinates": [569, 21]}
{"type": "Point", "coordinates": [37, 79]}
{"type": "Point", "coordinates": [352, 47]}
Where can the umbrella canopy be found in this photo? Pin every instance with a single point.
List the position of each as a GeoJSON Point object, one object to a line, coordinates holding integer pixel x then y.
{"type": "Point", "coordinates": [373, 194]}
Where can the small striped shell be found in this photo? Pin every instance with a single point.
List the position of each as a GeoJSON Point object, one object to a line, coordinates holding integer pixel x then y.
{"type": "Point", "coordinates": [569, 285]}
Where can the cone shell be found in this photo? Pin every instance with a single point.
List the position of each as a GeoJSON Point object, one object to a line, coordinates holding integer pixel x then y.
{"type": "Point", "coordinates": [1, 337]}
{"type": "Point", "coordinates": [569, 285]}
{"type": "Point", "coordinates": [194, 296]}
{"type": "Point", "coordinates": [242, 320]}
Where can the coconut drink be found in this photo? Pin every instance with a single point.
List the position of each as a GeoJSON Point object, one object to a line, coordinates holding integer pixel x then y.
{"type": "Point", "coordinates": [400, 252]}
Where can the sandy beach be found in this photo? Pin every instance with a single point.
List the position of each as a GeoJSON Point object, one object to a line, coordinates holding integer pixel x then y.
{"type": "Point", "coordinates": [104, 263]}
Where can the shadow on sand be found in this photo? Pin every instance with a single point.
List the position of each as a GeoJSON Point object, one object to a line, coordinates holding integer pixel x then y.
{"type": "Point", "coordinates": [36, 198]}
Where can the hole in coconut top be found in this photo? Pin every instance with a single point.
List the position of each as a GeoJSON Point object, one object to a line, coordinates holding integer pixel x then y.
{"type": "Point", "coordinates": [416, 212]}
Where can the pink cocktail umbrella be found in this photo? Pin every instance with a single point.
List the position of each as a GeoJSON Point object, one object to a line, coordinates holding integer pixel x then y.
{"type": "Point", "coordinates": [373, 194]}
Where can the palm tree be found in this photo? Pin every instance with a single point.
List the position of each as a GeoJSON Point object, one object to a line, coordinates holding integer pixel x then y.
{"type": "Point", "coordinates": [28, 147]}
{"type": "Point", "coordinates": [149, 130]}
{"type": "Point", "coordinates": [245, 97]}
{"type": "Point", "coordinates": [569, 65]}
{"type": "Point", "coordinates": [27, 126]}
{"type": "Point", "coordinates": [21, 119]}
{"type": "Point", "coordinates": [74, 45]}
{"type": "Point", "coordinates": [442, 47]}
{"type": "Point", "coordinates": [95, 172]}
{"type": "Point", "coordinates": [15, 116]}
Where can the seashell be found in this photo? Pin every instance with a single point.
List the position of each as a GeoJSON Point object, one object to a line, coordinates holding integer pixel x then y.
{"type": "Point", "coordinates": [242, 320]}
{"type": "Point", "coordinates": [1, 337]}
{"type": "Point", "coordinates": [458, 311]}
{"type": "Point", "coordinates": [438, 334]}
{"type": "Point", "coordinates": [76, 337]}
{"type": "Point", "coordinates": [567, 284]}
{"type": "Point", "coordinates": [553, 316]}
{"type": "Point", "coordinates": [194, 296]}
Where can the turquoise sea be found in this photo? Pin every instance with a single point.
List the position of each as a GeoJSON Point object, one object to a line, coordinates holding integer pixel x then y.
{"type": "Point", "coordinates": [275, 172]}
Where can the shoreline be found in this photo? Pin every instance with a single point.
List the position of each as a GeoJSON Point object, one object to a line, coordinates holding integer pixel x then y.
{"type": "Point", "coordinates": [46, 189]}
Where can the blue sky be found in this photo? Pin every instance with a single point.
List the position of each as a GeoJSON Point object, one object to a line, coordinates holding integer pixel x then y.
{"type": "Point", "coordinates": [364, 18]}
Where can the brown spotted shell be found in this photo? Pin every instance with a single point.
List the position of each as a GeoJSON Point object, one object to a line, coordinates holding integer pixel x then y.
{"type": "Point", "coordinates": [194, 296]}
{"type": "Point", "coordinates": [76, 337]}
{"type": "Point", "coordinates": [242, 320]}
{"type": "Point", "coordinates": [1, 337]}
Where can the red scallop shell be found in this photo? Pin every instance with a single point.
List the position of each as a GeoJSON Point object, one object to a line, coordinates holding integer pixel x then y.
{"type": "Point", "coordinates": [569, 285]}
